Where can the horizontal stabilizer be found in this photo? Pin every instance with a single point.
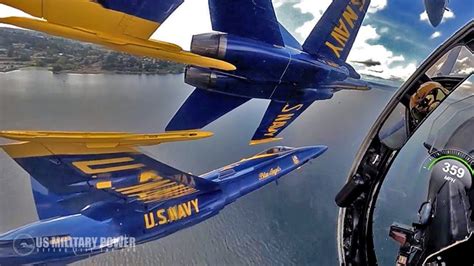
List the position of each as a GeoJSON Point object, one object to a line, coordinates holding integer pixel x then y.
{"type": "Point", "coordinates": [278, 116]}
{"type": "Point", "coordinates": [202, 108]}
{"type": "Point", "coordinates": [335, 33]}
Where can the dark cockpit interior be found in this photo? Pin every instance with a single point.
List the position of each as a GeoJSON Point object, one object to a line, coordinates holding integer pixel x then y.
{"type": "Point", "coordinates": [275, 150]}
{"type": "Point", "coordinates": [387, 182]}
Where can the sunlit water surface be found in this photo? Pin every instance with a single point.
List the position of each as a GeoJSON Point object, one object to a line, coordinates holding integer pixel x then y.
{"type": "Point", "coordinates": [292, 223]}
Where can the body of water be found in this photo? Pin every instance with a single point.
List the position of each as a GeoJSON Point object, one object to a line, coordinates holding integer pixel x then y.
{"type": "Point", "coordinates": [292, 223]}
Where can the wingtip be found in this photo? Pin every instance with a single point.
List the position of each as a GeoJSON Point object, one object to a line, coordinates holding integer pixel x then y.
{"type": "Point", "coordinates": [215, 63]}
{"type": "Point", "coordinates": [263, 141]}
{"type": "Point", "coordinates": [12, 134]}
{"type": "Point", "coordinates": [228, 66]}
{"type": "Point", "coordinates": [194, 134]}
{"type": "Point", "coordinates": [105, 139]}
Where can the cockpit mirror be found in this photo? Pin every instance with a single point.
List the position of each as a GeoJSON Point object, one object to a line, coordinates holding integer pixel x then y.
{"type": "Point", "coordinates": [442, 75]}
{"type": "Point", "coordinates": [393, 133]}
{"type": "Point", "coordinates": [425, 92]}
{"type": "Point", "coordinates": [459, 61]}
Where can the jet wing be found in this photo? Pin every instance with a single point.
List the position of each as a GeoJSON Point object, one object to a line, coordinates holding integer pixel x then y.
{"type": "Point", "coordinates": [103, 139]}
{"type": "Point", "coordinates": [120, 25]}
{"type": "Point", "coordinates": [72, 170]}
{"type": "Point", "coordinates": [203, 107]}
{"type": "Point", "coordinates": [250, 19]}
{"type": "Point", "coordinates": [278, 116]}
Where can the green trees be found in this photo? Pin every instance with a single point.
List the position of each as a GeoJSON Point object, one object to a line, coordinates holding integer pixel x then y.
{"type": "Point", "coordinates": [37, 49]}
{"type": "Point", "coordinates": [57, 68]}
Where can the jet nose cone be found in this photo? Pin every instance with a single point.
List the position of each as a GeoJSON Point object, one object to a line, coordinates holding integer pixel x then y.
{"type": "Point", "coordinates": [318, 150]}
{"type": "Point", "coordinates": [435, 11]}
{"type": "Point", "coordinates": [312, 152]}
{"type": "Point", "coordinates": [435, 20]}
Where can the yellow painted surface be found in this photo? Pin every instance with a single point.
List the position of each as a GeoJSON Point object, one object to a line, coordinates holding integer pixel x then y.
{"type": "Point", "coordinates": [171, 214]}
{"type": "Point", "coordinates": [171, 194]}
{"type": "Point", "coordinates": [157, 190]}
{"type": "Point", "coordinates": [148, 176]}
{"type": "Point", "coordinates": [269, 173]}
{"type": "Point", "coordinates": [33, 149]}
{"type": "Point", "coordinates": [258, 156]}
{"type": "Point", "coordinates": [145, 187]}
{"type": "Point", "coordinates": [104, 185]}
{"type": "Point", "coordinates": [43, 143]}
{"type": "Point", "coordinates": [263, 141]}
{"type": "Point", "coordinates": [120, 138]}
{"type": "Point", "coordinates": [87, 21]}
{"type": "Point", "coordinates": [86, 166]}
{"type": "Point", "coordinates": [343, 30]}
{"type": "Point", "coordinates": [86, 14]}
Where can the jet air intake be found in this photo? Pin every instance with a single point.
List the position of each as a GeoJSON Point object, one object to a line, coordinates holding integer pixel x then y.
{"type": "Point", "coordinates": [212, 45]}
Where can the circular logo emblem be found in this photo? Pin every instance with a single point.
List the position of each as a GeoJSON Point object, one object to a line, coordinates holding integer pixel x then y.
{"type": "Point", "coordinates": [23, 244]}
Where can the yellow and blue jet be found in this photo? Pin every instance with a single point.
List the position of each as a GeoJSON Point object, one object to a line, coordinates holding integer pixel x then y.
{"type": "Point", "coordinates": [271, 64]}
{"type": "Point", "coordinates": [120, 25]}
{"type": "Point", "coordinates": [250, 55]}
{"type": "Point", "coordinates": [95, 191]}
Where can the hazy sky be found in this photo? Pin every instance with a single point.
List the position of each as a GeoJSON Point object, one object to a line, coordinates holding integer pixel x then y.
{"type": "Point", "coordinates": [395, 33]}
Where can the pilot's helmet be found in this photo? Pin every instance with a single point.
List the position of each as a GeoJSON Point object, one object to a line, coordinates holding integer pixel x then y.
{"type": "Point", "coordinates": [275, 150]}
{"type": "Point", "coordinates": [427, 98]}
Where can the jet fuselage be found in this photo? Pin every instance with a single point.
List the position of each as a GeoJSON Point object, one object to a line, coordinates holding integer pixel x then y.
{"type": "Point", "coordinates": [435, 10]}
{"type": "Point", "coordinates": [268, 71]}
{"type": "Point", "coordinates": [115, 225]}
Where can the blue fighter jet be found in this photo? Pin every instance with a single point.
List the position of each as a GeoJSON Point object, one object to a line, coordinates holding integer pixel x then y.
{"type": "Point", "coordinates": [95, 192]}
{"type": "Point", "coordinates": [435, 10]}
{"type": "Point", "coordinates": [271, 64]}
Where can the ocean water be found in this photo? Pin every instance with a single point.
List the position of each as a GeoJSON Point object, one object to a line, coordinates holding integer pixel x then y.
{"type": "Point", "coordinates": [293, 223]}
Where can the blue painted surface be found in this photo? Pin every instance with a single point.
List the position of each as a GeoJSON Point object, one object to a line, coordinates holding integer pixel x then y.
{"type": "Point", "coordinates": [337, 15]}
{"type": "Point", "coordinates": [196, 105]}
{"type": "Point", "coordinates": [270, 63]}
{"type": "Point", "coordinates": [157, 11]}
{"type": "Point", "coordinates": [251, 19]}
{"type": "Point", "coordinates": [435, 10]}
{"type": "Point", "coordinates": [114, 215]}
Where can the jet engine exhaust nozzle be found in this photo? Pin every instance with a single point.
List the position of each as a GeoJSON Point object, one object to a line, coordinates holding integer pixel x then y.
{"type": "Point", "coordinates": [200, 78]}
{"type": "Point", "coordinates": [212, 45]}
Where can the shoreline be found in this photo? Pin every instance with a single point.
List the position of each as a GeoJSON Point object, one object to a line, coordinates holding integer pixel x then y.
{"type": "Point", "coordinates": [86, 72]}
